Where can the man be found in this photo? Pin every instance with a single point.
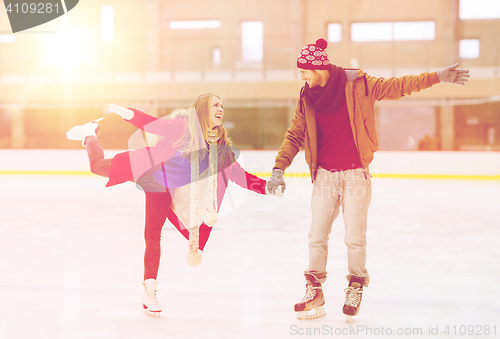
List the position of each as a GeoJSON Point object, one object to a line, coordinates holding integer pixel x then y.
{"type": "Point", "coordinates": [335, 121]}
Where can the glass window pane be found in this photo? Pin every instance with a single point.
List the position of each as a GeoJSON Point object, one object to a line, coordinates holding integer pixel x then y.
{"type": "Point", "coordinates": [107, 23]}
{"type": "Point", "coordinates": [371, 31]}
{"type": "Point", "coordinates": [479, 9]}
{"type": "Point", "coordinates": [216, 56]}
{"type": "Point", "coordinates": [417, 30]}
{"type": "Point", "coordinates": [252, 41]}
{"type": "Point", "coordinates": [469, 48]}
{"type": "Point", "coordinates": [334, 32]}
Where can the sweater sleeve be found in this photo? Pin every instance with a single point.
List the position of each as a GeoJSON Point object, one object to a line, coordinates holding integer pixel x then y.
{"type": "Point", "coordinates": [152, 124]}
{"type": "Point", "coordinates": [246, 180]}
{"type": "Point", "coordinates": [396, 88]}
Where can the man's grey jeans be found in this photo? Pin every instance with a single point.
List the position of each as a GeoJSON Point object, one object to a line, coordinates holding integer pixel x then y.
{"type": "Point", "coordinates": [351, 191]}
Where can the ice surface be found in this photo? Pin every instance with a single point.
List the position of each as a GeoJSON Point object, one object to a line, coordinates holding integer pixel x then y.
{"type": "Point", "coordinates": [72, 266]}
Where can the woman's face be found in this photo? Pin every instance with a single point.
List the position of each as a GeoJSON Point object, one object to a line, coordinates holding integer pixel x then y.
{"type": "Point", "coordinates": [216, 111]}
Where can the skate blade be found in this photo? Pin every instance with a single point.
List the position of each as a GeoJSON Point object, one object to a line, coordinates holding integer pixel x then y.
{"type": "Point", "coordinates": [96, 121]}
{"type": "Point", "coordinates": [154, 314]}
{"type": "Point", "coordinates": [348, 317]}
{"type": "Point", "coordinates": [314, 313]}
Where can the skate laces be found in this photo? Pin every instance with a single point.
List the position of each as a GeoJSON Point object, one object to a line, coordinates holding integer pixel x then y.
{"type": "Point", "coordinates": [151, 294]}
{"type": "Point", "coordinates": [353, 296]}
{"type": "Point", "coordinates": [310, 293]}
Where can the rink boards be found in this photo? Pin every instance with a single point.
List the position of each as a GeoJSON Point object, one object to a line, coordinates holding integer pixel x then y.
{"type": "Point", "coordinates": [386, 164]}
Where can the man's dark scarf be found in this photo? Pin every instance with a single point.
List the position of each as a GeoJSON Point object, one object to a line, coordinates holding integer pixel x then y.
{"type": "Point", "coordinates": [330, 97]}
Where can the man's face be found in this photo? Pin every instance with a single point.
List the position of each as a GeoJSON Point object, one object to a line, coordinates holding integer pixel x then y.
{"type": "Point", "coordinates": [312, 77]}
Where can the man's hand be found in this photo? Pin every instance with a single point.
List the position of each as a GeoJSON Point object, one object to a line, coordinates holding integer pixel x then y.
{"type": "Point", "coordinates": [273, 185]}
{"type": "Point", "coordinates": [125, 113]}
{"type": "Point", "coordinates": [453, 75]}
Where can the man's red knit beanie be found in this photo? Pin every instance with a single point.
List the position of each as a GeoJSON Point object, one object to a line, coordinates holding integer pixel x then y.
{"type": "Point", "coordinates": [314, 56]}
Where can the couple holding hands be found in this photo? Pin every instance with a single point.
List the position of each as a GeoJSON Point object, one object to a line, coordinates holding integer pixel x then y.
{"type": "Point", "coordinates": [185, 175]}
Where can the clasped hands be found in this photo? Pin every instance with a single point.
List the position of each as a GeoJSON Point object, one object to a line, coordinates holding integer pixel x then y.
{"type": "Point", "coordinates": [276, 184]}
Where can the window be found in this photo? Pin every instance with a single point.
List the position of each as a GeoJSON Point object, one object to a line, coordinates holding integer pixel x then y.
{"type": "Point", "coordinates": [107, 23]}
{"type": "Point", "coordinates": [252, 41]}
{"type": "Point", "coordinates": [216, 57]}
{"type": "Point", "coordinates": [7, 38]}
{"type": "Point", "coordinates": [393, 31]}
{"type": "Point", "coordinates": [417, 30]}
{"type": "Point", "coordinates": [334, 32]}
{"type": "Point", "coordinates": [469, 48]}
{"type": "Point", "coordinates": [195, 24]}
{"type": "Point", "coordinates": [479, 9]}
{"type": "Point", "coordinates": [371, 31]}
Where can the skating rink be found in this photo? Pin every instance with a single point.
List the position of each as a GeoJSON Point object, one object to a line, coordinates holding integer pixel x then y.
{"type": "Point", "coordinates": [72, 263]}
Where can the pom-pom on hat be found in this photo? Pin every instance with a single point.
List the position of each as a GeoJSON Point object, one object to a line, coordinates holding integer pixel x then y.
{"type": "Point", "coordinates": [314, 56]}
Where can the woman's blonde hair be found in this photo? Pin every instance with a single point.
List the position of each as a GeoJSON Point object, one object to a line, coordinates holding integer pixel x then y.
{"type": "Point", "coordinates": [199, 126]}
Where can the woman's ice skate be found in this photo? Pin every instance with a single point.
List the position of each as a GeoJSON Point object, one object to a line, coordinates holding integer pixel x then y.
{"type": "Point", "coordinates": [83, 131]}
{"type": "Point", "coordinates": [149, 302]}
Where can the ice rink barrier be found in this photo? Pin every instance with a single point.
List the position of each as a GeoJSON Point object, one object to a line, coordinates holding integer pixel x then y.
{"type": "Point", "coordinates": [386, 164]}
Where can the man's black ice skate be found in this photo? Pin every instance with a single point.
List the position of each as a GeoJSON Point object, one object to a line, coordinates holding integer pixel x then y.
{"type": "Point", "coordinates": [311, 305]}
{"type": "Point", "coordinates": [353, 295]}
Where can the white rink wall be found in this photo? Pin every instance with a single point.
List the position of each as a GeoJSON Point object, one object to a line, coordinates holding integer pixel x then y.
{"type": "Point", "coordinates": [396, 163]}
{"type": "Point", "coordinates": [386, 163]}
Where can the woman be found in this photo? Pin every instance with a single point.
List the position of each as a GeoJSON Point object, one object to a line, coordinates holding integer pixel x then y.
{"type": "Point", "coordinates": [184, 176]}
